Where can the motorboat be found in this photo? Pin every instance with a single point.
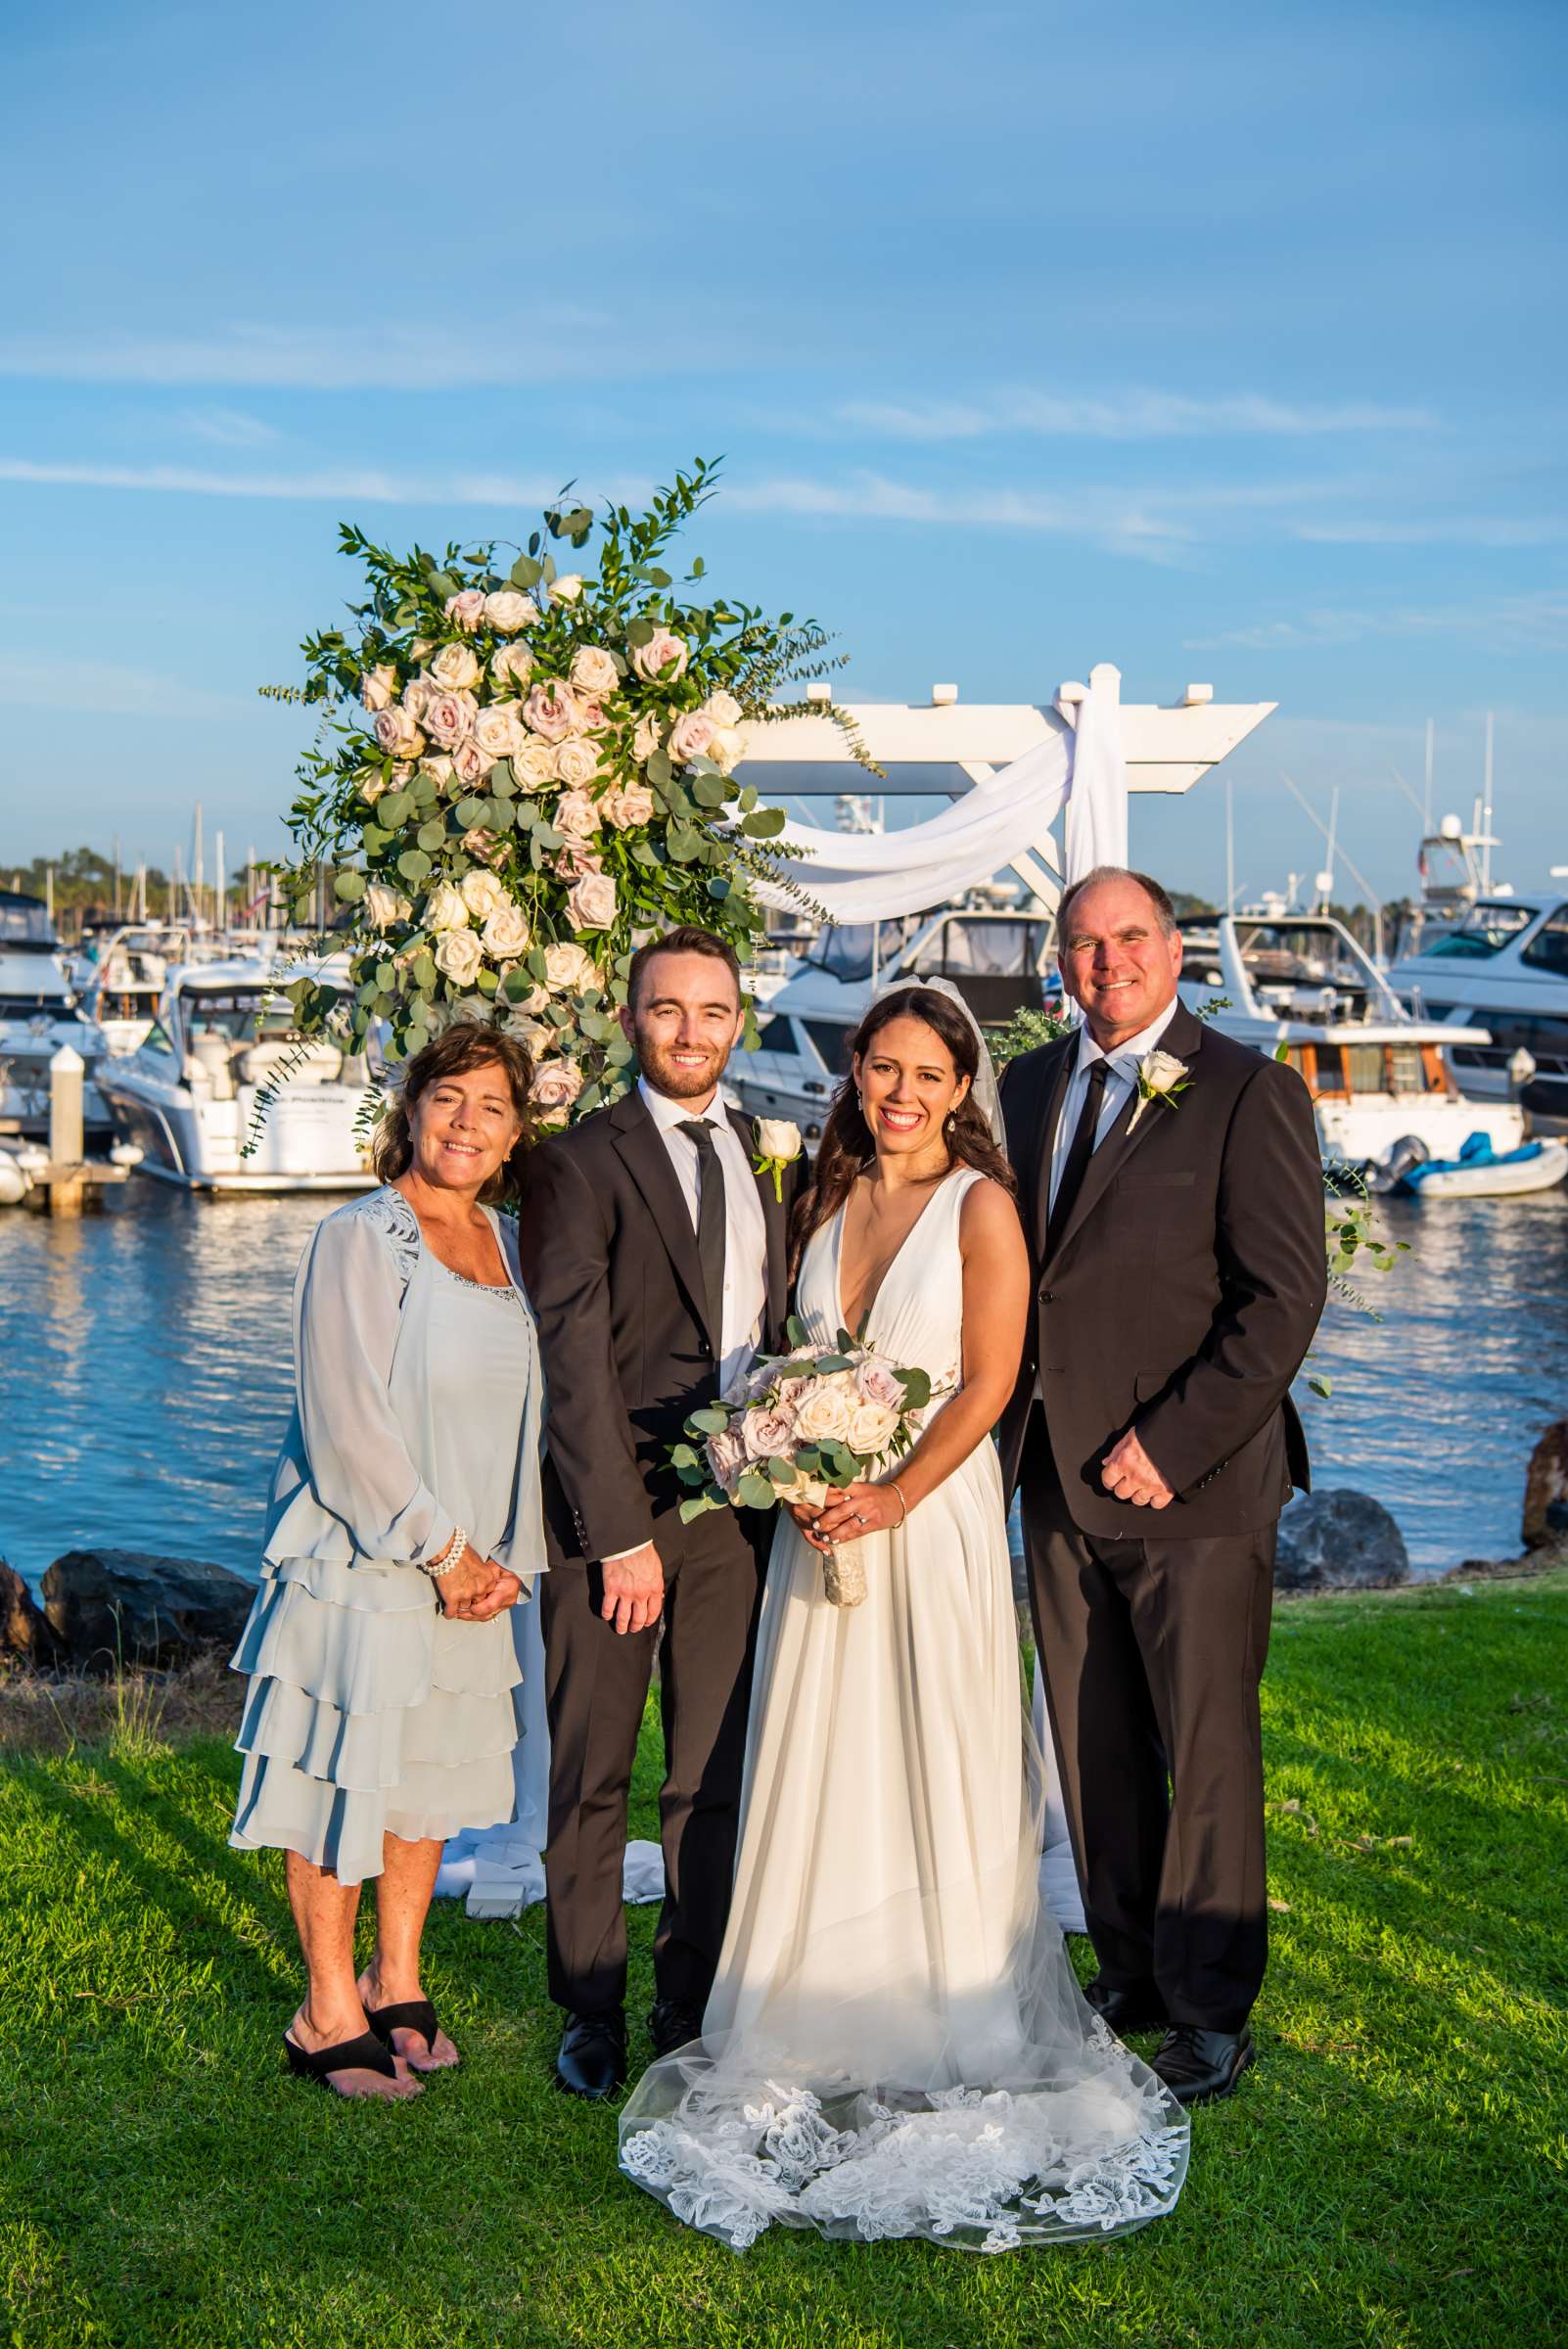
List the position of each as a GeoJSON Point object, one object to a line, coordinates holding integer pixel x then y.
{"type": "Point", "coordinates": [122, 973]}
{"type": "Point", "coordinates": [995, 957]}
{"type": "Point", "coordinates": [187, 1097]}
{"type": "Point", "coordinates": [1297, 986]}
{"type": "Point", "coordinates": [1501, 965]}
{"type": "Point", "coordinates": [39, 1013]}
{"type": "Point", "coordinates": [1478, 1172]}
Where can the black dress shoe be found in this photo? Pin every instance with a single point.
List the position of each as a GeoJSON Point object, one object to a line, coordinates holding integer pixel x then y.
{"type": "Point", "coordinates": [1125, 2011]}
{"type": "Point", "coordinates": [1198, 2065]}
{"type": "Point", "coordinates": [673, 2025]}
{"type": "Point", "coordinates": [592, 2056]}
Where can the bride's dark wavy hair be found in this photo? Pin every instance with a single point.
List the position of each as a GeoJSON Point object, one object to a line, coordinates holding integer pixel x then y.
{"type": "Point", "coordinates": [847, 1148]}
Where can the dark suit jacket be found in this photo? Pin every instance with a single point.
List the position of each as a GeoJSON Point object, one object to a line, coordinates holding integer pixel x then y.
{"type": "Point", "coordinates": [1184, 1292]}
{"type": "Point", "coordinates": [610, 1266]}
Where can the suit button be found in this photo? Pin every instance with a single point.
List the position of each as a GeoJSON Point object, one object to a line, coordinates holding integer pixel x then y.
{"type": "Point", "coordinates": [1048, 1296]}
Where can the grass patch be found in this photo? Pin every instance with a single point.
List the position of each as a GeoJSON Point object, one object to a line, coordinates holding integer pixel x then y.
{"type": "Point", "coordinates": [1391, 2175]}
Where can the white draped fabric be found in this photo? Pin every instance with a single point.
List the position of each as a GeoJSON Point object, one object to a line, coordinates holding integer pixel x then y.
{"type": "Point", "coordinates": [875, 876]}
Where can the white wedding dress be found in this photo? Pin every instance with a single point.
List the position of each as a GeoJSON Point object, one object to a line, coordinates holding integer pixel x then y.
{"type": "Point", "coordinates": [895, 2043]}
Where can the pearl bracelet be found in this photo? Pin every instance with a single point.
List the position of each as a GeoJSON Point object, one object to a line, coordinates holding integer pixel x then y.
{"type": "Point", "coordinates": [436, 1567]}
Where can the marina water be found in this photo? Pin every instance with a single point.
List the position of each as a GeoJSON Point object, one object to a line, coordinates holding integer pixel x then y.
{"type": "Point", "coordinates": [145, 1375]}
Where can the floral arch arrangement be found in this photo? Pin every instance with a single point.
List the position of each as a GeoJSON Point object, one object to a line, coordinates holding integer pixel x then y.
{"type": "Point", "coordinates": [523, 772]}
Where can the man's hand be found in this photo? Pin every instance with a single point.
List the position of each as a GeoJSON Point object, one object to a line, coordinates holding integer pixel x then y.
{"type": "Point", "coordinates": [504, 1592]}
{"type": "Point", "coordinates": [633, 1588]}
{"type": "Point", "coordinates": [1129, 1474]}
{"type": "Point", "coordinates": [465, 1584]}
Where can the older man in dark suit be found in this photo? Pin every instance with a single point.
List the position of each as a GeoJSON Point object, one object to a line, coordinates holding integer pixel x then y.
{"type": "Point", "coordinates": [655, 1256]}
{"type": "Point", "coordinates": [1170, 1186]}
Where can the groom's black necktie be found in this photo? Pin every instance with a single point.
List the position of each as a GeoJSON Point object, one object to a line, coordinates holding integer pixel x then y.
{"type": "Point", "coordinates": [1080, 1150]}
{"type": "Point", "coordinates": [710, 1220]}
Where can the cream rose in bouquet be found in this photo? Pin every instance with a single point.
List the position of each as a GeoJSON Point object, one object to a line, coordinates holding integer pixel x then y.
{"type": "Point", "coordinates": [802, 1425]}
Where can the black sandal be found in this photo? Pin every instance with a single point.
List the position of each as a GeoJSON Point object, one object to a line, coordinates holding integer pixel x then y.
{"type": "Point", "coordinates": [412, 2015]}
{"type": "Point", "coordinates": [362, 2055]}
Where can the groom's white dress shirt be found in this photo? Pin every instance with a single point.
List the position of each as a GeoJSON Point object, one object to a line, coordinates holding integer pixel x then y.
{"type": "Point", "coordinates": [1121, 1080]}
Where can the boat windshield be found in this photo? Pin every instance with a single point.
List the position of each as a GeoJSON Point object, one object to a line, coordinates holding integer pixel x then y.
{"type": "Point", "coordinates": [24, 921]}
{"type": "Point", "coordinates": [241, 1013]}
{"type": "Point", "coordinates": [852, 950]}
{"type": "Point", "coordinates": [1485, 931]}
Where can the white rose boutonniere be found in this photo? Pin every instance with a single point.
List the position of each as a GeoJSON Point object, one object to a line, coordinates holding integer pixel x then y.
{"type": "Point", "coordinates": [1161, 1077]}
{"type": "Point", "coordinates": [779, 1145]}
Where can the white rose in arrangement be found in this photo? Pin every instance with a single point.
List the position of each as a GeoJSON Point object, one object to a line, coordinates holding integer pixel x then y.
{"type": "Point", "coordinates": [483, 895]}
{"type": "Point", "coordinates": [376, 687]}
{"type": "Point", "coordinates": [444, 909]}
{"type": "Point", "coordinates": [505, 933]}
{"type": "Point", "coordinates": [577, 762]}
{"type": "Point", "coordinates": [879, 1383]}
{"type": "Point", "coordinates": [823, 1415]}
{"type": "Point", "coordinates": [534, 763]}
{"type": "Point", "coordinates": [591, 901]}
{"type": "Point", "coordinates": [629, 807]}
{"type": "Point", "coordinates": [420, 649]}
{"type": "Point", "coordinates": [645, 741]}
{"type": "Point", "coordinates": [508, 610]}
{"type": "Point", "coordinates": [438, 769]}
{"type": "Point", "coordinates": [512, 664]}
{"type": "Point", "coordinates": [690, 736]}
{"type": "Point", "coordinates": [662, 658]}
{"type": "Point", "coordinates": [726, 1457]}
{"type": "Point", "coordinates": [726, 747]}
{"type": "Point", "coordinates": [568, 969]}
{"type": "Point", "coordinates": [576, 815]}
{"type": "Point", "coordinates": [591, 716]}
{"type": "Point", "coordinates": [532, 1035]}
{"type": "Point", "coordinates": [766, 1432]}
{"type": "Point", "coordinates": [398, 734]}
{"type": "Point", "coordinates": [526, 1009]}
{"type": "Point", "coordinates": [466, 608]}
{"type": "Point", "coordinates": [459, 956]}
{"type": "Point", "coordinates": [372, 783]}
{"type": "Point", "coordinates": [449, 717]}
{"type": "Point", "coordinates": [556, 1085]}
{"type": "Point", "coordinates": [871, 1429]}
{"type": "Point", "coordinates": [552, 710]}
{"type": "Point", "coordinates": [567, 588]}
{"type": "Point", "coordinates": [469, 765]}
{"type": "Point", "coordinates": [455, 667]}
{"type": "Point", "coordinates": [593, 671]}
{"type": "Point", "coordinates": [499, 731]}
{"type": "Point", "coordinates": [418, 695]}
{"type": "Point", "coordinates": [384, 906]}
{"type": "Point", "coordinates": [723, 708]}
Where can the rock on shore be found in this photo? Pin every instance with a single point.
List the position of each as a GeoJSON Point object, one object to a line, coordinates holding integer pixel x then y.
{"type": "Point", "coordinates": [1339, 1541]}
{"type": "Point", "coordinates": [1546, 1501]}
{"type": "Point", "coordinates": [110, 1606]}
{"type": "Point", "coordinates": [26, 1636]}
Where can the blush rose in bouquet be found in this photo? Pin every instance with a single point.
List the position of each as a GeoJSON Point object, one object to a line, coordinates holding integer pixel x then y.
{"type": "Point", "coordinates": [802, 1425]}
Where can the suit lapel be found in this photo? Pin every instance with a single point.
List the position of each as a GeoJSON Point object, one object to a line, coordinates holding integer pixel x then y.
{"type": "Point", "coordinates": [776, 1221]}
{"type": "Point", "coordinates": [1055, 1085]}
{"type": "Point", "coordinates": [646, 1159]}
{"type": "Point", "coordinates": [1183, 1036]}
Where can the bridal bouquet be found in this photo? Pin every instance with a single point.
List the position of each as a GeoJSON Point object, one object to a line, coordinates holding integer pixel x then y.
{"type": "Point", "coordinates": [803, 1424]}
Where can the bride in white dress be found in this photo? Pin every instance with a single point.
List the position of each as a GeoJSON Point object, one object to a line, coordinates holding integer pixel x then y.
{"type": "Point", "coordinates": [895, 2043]}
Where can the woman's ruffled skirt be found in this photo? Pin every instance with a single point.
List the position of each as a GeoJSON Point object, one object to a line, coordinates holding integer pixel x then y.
{"type": "Point", "coordinates": [369, 1713]}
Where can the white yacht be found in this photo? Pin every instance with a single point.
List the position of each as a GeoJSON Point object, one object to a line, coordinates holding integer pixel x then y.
{"type": "Point", "coordinates": [996, 959]}
{"type": "Point", "coordinates": [1299, 986]}
{"type": "Point", "coordinates": [39, 1012]}
{"type": "Point", "coordinates": [186, 1097]}
{"type": "Point", "coordinates": [122, 974]}
{"type": "Point", "coordinates": [1503, 966]}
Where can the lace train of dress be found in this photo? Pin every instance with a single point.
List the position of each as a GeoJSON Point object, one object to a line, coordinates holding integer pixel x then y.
{"type": "Point", "coordinates": [895, 2043]}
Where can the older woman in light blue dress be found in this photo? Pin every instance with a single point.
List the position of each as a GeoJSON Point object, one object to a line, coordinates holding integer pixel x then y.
{"type": "Point", "coordinates": [405, 1522]}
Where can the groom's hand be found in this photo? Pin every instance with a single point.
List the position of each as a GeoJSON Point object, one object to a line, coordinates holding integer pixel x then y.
{"type": "Point", "coordinates": [1129, 1474]}
{"type": "Point", "coordinates": [633, 1588]}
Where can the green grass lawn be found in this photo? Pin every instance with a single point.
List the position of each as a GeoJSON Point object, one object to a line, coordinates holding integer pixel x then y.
{"type": "Point", "coordinates": [1391, 2173]}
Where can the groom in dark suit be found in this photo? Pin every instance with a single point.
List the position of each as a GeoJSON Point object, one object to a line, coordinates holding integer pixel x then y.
{"type": "Point", "coordinates": [655, 1257]}
{"type": "Point", "coordinates": [1171, 1186]}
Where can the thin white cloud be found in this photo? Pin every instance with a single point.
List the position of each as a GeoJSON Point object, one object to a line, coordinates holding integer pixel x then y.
{"type": "Point", "coordinates": [1514, 622]}
{"type": "Point", "coordinates": [1126, 416]}
{"type": "Point", "coordinates": [229, 428]}
{"type": "Point", "coordinates": [330, 487]}
{"type": "Point", "coordinates": [1453, 530]}
{"type": "Point", "coordinates": [376, 357]}
{"type": "Point", "coordinates": [106, 689]}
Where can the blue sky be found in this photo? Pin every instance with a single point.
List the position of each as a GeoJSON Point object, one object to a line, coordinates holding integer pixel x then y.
{"type": "Point", "coordinates": [1223, 343]}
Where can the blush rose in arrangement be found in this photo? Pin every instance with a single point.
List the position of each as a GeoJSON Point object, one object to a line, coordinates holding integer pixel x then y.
{"type": "Point", "coordinates": [801, 1425]}
{"type": "Point", "coordinates": [520, 774]}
